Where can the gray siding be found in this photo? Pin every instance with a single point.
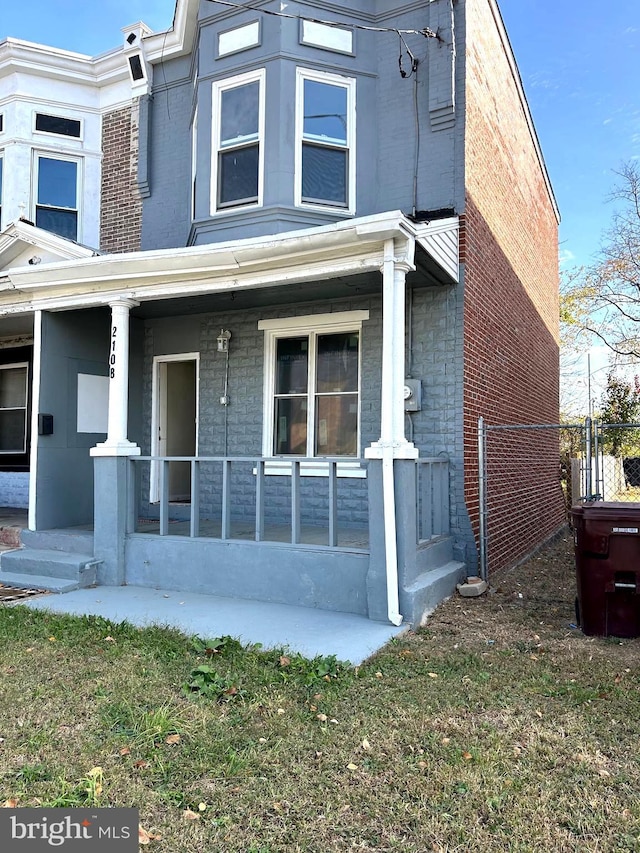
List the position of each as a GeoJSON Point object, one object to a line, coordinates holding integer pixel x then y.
{"type": "Point", "coordinates": [73, 342]}
{"type": "Point", "coordinates": [395, 125]}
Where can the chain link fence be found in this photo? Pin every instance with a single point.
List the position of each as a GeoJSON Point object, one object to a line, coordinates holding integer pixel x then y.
{"type": "Point", "coordinates": [530, 475]}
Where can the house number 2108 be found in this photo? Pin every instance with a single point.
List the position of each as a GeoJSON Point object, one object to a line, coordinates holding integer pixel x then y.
{"type": "Point", "coordinates": [112, 356]}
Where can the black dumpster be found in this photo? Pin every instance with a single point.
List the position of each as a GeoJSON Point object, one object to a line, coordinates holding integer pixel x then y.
{"type": "Point", "coordinates": [607, 547]}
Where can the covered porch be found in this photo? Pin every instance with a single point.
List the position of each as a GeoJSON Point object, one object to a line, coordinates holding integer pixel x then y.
{"type": "Point", "coordinates": [227, 513]}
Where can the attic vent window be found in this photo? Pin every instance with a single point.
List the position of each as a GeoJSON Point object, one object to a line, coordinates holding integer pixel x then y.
{"type": "Point", "coordinates": [58, 125]}
{"type": "Point", "coordinates": [135, 64]}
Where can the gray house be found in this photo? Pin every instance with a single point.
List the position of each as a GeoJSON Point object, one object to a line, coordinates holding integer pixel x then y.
{"type": "Point", "coordinates": [270, 396]}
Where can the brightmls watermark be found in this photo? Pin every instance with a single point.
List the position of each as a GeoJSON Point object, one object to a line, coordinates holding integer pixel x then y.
{"type": "Point", "coordinates": [69, 830]}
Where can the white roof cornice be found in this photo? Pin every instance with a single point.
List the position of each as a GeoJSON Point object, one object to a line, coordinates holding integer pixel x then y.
{"type": "Point", "coordinates": [41, 60]}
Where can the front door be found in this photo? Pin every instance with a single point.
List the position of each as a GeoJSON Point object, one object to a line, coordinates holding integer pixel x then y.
{"type": "Point", "coordinates": [175, 421]}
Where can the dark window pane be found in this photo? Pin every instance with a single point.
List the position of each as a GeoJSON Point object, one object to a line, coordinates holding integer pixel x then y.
{"type": "Point", "coordinates": [13, 387]}
{"type": "Point", "coordinates": [336, 425]}
{"type": "Point", "coordinates": [292, 360]}
{"type": "Point", "coordinates": [324, 174]}
{"type": "Point", "coordinates": [61, 222]}
{"type": "Point", "coordinates": [290, 427]}
{"type": "Point", "coordinates": [337, 365]}
{"type": "Point", "coordinates": [12, 431]}
{"type": "Point", "coordinates": [57, 182]}
{"type": "Point", "coordinates": [238, 178]}
{"type": "Point", "coordinates": [57, 124]}
{"type": "Point", "coordinates": [325, 112]}
{"type": "Point", "coordinates": [239, 109]}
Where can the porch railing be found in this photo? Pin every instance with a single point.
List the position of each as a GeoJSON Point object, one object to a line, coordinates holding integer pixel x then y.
{"type": "Point", "coordinates": [433, 498]}
{"type": "Point", "coordinates": [214, 494]}
{"type": "Point", "coordinates": [291, 501]}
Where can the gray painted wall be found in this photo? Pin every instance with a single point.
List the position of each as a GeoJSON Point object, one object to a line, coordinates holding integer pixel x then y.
{"type": "Point", "coordinates": [388, 143]}
{"type": "Point", "coordinates": [72, 342]}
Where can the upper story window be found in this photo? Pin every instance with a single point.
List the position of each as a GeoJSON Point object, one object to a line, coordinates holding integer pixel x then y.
{"type": "Point", "coordinates": [57, 196]}
{"type": "Point", "coordinates": [0, 191]}
{"type": "Point", "coordinates": [59, 125]}
{"type": "Point", "coordinates": [325, 140]}
{"type": "Point", "coordinates": [238, 141]}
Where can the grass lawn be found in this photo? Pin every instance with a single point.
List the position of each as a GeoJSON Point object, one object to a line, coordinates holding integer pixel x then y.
{"type": "Point", "coordinates": [498, 727]}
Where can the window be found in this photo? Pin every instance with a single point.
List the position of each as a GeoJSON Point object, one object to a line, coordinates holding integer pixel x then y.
{"type": "Point", "coordinates": [0, 192]}
{"type": "Point", "coordinates": [325, 145]}
{"type": "Point", "coordinates": [238, 110]}
{"type": "Point", "coordinates": [13, 407]}
{"type": "Point", "coordinates": [57, 196]}
{"type": "Point", "coordinates": [312, 385]}
{"type": "Point", "coordinates": [58, 124]}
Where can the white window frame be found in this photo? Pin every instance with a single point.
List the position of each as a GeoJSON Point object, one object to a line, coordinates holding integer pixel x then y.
{"type": "Point", "coordinates": [15, 366]}
{"type": "Point", "coordinates": [313, 326]}
{"type": "Point", "coordinates": [348, 83]}
{"type": "Point", "coordinates": [217, 89]}
{"type": "Point", "coordinates": [194, 162]}
{"type": "Point", "coordinates": [55, 155]}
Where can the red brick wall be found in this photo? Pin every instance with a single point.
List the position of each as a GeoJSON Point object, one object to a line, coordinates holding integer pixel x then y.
{"type": "Point", "coordinates": [121, 208]}
{"type": "Point", "coordinates": [510, 245]}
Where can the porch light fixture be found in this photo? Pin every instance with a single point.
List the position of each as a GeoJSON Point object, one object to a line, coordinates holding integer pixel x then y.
{"type": "Point", "coordinates": [223, 340]}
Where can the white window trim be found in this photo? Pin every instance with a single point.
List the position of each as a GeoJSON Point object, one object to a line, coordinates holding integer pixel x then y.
{"type": "Point", "coordinates": [49, 134]}
{"type": "Point", "coordinates": [15, 366]}
{"type": "Point", "coordinates": [313, 325]}
{"type": "Point", "coordinates": [55, 155]}
{"type": "Point", "coordinates": [349, 84]}
{"type": "Point", "coordinates": [194, 163]}
{"type": "Point", "coordinates": [216, 91]}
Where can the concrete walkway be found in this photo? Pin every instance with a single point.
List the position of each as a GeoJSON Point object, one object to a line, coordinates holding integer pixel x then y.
{"type": "Point", "coordinates": [301, 629]}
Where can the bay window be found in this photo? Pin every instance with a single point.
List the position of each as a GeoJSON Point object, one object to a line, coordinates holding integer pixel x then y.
{"type": "Point", "coordinates": [238, 133]}
{"type": "Point", "coordinates": [325, 143]}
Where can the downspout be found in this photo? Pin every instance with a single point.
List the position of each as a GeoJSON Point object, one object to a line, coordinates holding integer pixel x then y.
{"type": "Point", "coordinates": [389, 345]}
{"type": "Point", "coordinates": [390, 537]}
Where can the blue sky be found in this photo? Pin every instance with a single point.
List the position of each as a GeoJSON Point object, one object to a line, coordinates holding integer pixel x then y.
{"type": "Point", "coordinates": [578, 61]}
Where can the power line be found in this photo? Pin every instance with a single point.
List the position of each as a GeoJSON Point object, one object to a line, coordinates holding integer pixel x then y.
{"type": "Point", "coordinates": [425, 31]}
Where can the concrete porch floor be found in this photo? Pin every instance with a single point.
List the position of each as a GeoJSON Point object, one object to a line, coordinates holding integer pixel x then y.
{"type": "Point", "coordinates": [305, 630]}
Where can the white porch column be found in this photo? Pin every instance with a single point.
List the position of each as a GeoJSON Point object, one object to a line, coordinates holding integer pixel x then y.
{"type": "Point", "coordinates": [392, 444]}
{"type": "Point", "coordinates": [117, 443]}
{"type": "Point", "coordinates": [392, 416]}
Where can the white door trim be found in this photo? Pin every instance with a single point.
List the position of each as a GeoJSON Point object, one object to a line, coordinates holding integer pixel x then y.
{"type": "Point", "coordinates": [156, 409]}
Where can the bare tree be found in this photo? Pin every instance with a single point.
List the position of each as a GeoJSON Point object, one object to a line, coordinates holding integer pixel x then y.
{"type": "Point", "coordinates": [604, 299]}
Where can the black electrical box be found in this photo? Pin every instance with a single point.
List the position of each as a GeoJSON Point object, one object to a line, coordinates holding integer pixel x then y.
{"type": "Point", "coordinates": [45, 424]}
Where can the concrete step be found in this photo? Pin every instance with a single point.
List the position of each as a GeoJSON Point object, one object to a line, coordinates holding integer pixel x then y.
{"type": "Point", "coordinates": [47, 584]}
{"type": "Point", "coordinates": [80, 568]}
{"type": "Point", "coordinates": [427, 591]}
{"type": "Point", "coordinates": [435, 552]}
{"type": "Point", "coordinates": [71, 541]}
